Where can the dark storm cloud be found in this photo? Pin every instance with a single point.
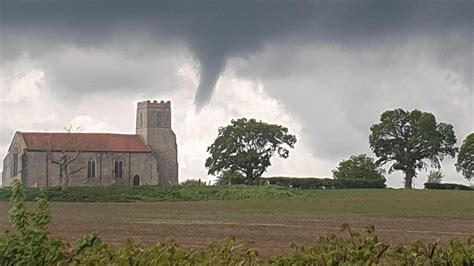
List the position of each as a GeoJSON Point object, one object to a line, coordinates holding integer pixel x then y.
{"type": "Point", "coordinates": [216, 31]}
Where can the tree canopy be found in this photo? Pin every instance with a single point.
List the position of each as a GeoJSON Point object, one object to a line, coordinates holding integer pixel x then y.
{"type": "Point", "coordinates": [360, 167]}
{"type": "Point", "coordinates": [465, 162]}
{"type": "Point", "coordinates": [409, 140]}
{"type": "Point", "coordinates": [246, 146]}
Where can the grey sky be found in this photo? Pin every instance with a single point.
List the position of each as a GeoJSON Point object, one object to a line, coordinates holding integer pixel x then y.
{"type": "Point", "coordinates": [333, 66]}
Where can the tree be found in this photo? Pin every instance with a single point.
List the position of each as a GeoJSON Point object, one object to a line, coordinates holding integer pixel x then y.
{"type": "Point", "coordinates": [64, 159]}
{"type": "Point", "coordinates": [435, 176]}
{"type": "Point", "coordinates": [465, 163]}
{"type": "Point", "coordinates": [409, 140]}
{"type": "Point", "coordinates": [360, 166]}
{"type": "Point", "coordinates": [246, 146]}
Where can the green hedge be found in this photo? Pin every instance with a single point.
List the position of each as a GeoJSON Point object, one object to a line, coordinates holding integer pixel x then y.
{"type": "Point", "coordinates": [447, 186]}
{"type": "Point", "coordinates": [155, 193]}
{"type": "Point", "coordinates": [326, 183]}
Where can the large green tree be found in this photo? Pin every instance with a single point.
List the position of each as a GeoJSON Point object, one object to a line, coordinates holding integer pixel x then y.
{"type": "Point", "coordinates": [360, 166]}
{"type": "Point", "coordinates": [246, 146]}
{"type": "Point", "coordinates": [409, 140]}
{"type": "Point", "coordinates": [465, 163]}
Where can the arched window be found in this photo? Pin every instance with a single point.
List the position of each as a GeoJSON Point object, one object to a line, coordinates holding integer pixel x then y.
{"type": "Point", "coordinates": [140, 120]}
{"type": "Point", "coordinates": [91, 168]}
{"type": "Point", "coordinates": [118, 169]}
{"type": "Point", "coordinates": [158, 119]}
{"type": "Point", "coordinates": [15, 164]}
{"type": "Point", "coordinates": [136, 180]}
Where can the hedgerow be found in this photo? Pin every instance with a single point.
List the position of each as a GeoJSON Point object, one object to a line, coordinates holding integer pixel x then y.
{"type": "Point", "coordinates": [155, 193]}
{"type": "Point", "coordinates": [447, 186]}
{"type": "Point", "coordinates": [326, 183]}
{"type": "Point", "coordinates": [30, 244]}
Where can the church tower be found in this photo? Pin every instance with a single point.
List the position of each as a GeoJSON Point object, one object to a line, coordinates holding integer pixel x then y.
{"type": "Point", "coordinates": [154, 126]}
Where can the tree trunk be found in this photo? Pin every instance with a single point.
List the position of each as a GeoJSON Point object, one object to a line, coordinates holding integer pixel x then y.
{"type": "Point", "coordinates": [65, 182]}
{"type": "Point", "coordinates": [62, 176]}
{"type": "Point", "coordinates": [250, 177]}
{"type": "Point", "coordinates": [408, 179]}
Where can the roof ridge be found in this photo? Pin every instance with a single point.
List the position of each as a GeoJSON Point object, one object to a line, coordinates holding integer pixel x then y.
{"type": "Point", "coordinates": [97, 133]}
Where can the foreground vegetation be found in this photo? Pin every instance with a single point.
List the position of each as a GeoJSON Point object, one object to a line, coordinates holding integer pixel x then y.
{"type": "Point", "coordinates": [30, 244]}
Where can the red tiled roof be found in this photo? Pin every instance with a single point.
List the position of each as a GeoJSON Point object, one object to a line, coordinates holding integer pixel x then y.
{"type": "Point", "coordinates": [84, 142]}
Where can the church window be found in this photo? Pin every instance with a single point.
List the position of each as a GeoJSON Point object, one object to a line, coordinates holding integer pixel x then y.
{"type": "Point", "coordinates": [140, 120]}
{"type": "Point", "coordinates": [15, 164]}
{"type": "Point", "coordinates": [158, 119]}
{"type": "Point", "coordinates": [118, 169]}
{"type": "Point", "coordinates": [91, 168]}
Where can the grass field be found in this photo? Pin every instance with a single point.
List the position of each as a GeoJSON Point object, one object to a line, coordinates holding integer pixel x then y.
{"type": "Point", "coordinates": [400, 216]}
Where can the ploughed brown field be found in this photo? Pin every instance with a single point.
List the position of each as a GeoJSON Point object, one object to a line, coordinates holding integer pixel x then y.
{"type": "Point", "coordinates": [272, 224]}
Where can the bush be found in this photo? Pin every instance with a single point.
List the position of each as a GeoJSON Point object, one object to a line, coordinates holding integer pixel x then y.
{"type": "Point", "coordinates": [325, 183]}
{"type": "Point", "coordinates": [193, 183]}
{"type": "Point", "coordinates": [447, 186]}
{"type": "Point", "coordinates": [358, 167]}
{"type": "Point", "coordinates": [228, 178]}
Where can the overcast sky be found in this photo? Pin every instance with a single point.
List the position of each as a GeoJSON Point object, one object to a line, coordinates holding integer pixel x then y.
{"type": "Point", "coordinates": [324, 69]}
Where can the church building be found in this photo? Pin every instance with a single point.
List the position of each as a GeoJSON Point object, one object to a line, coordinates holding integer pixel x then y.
{"type": "Point", "coordinates": [148, 157]}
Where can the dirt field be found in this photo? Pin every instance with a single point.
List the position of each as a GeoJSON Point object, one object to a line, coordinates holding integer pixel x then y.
{"type": "Point", "coordinates": [272, 224]}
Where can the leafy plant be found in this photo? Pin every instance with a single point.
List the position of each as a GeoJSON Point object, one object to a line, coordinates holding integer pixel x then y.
{"type": "Point", "coordinates": [31, 245]}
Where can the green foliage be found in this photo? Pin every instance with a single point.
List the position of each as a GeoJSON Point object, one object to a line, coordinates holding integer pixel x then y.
{"type": "Point", "coordinates": [364, 248]}
{"type": "Point", "coordinates": [465, 162]}
{"type": "Point", "coordinates": [154, 193]}
{"type": "Point", "coordinates": [228, 178]}
{"type": "Point", "coordinates": [435, 176]}
{"type": "Point", "coordinates": [408, 139]}
{"type": "Point", "coordinates": [246, 146]}
{"type": "Point", "coordinates": [33, 246]}
{"type": "Point", "coordinates": [18, 213]}
{"type": "Point", "coordinates": [358, 167]}
{"type": "Point", "coordinates": [193, 183]}
{"type": "Point", "coordinates": [446, 186]}
{"type": "Point", "coordinates": [326, 183]}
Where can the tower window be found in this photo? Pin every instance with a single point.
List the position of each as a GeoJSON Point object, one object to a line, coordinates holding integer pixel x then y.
{"type": "Point", "coordinates": [91, 168]}
{"type": "Point", "coordinates": [140, 120]}
{"type": "Point", "coordinates": [15, 164]}
{"type": "Point", "coordinates": [118, 169]}
{"type": "Point", "coordinates": [158, 119]}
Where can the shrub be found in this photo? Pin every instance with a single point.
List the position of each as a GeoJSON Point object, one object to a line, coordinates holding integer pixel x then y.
{"type": "Point", "coordinates": [358, 167]}
{"type": "Point", "coordinates": [228, 178]}
{"type": "Point", "coordinates": [435, 176]}
{"type": "Point", "coordinates": [447, 186]}
{"type": "Point", "coordinates": [193, 183]}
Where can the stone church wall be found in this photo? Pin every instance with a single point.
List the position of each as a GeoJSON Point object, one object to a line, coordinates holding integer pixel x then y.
{"type": "Point", "coordinates": [141, 164]}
